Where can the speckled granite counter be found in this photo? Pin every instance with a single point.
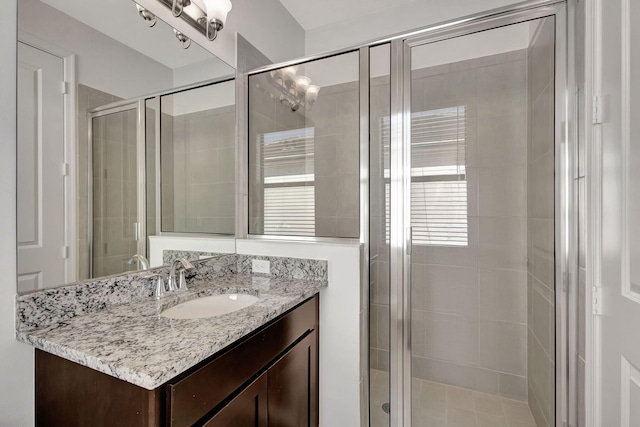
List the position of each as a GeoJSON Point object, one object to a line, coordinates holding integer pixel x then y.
{"type": "Point", "coordinates": [131, 341]}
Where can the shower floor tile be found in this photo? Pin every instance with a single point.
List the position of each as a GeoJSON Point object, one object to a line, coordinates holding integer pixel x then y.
{"type": "Point", "coordinates": [441, 405]}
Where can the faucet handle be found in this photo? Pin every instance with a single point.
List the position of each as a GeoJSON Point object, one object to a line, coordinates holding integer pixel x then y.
{"type": "Point", "coordinates": [160, 289]}
{"type": "Point", "coordinates": [182, 282]}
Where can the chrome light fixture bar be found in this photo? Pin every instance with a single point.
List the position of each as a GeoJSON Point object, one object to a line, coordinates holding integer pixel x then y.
{"type": "Point", "coordinates": [151, 20]}
{"type": "Point", "coordinates": [206, 16]}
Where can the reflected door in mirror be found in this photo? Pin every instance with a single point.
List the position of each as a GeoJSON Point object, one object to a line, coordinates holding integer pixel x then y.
{"type": "Point", "coordinates": [42, 255]}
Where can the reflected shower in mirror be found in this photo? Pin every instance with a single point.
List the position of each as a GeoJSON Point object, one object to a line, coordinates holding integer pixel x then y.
{"type": "Point", "coordinates": [82, 148]}
{"type": "Point", "coordinates": [198, 129]}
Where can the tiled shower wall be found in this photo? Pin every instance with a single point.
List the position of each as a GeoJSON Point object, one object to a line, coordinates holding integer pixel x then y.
{"type": "Point", "coordinates": [469, 321]}
{"type": "Point", "coordinates": [150, 166]}
{"type": "Point", "coordinates": [87, 99]}
{"type": "Point", "coordinates": [198, 167]}
{"type": "Point", "coordinates": [167, 166]}
{"type": "Point", "coordinates": [337, 167]}
{"type": "Point", "coordinates": [540, 225]}
{"type": "Point", "coordinates": [380, 108]}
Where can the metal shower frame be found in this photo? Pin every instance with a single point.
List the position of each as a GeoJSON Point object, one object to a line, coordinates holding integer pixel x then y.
{"type": "Point", "coordinates": [400, 261]}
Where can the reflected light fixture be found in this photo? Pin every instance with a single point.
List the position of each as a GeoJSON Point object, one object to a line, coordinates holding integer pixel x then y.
{"type": "Point", "coordinates": [206, 16]}
{"type": "Point", "coordinates": [293, 90]}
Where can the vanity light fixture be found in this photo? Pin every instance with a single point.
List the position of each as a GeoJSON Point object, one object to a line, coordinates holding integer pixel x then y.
{"type": "Point", "coordinates": [216, 15]}
{"type": "Point", "coordinates": [149, 17]}
{"type": "Point", "coordinates": [178, 6]}
{"type": "Point", "coordinates": [206, 16]}
{"type": "Point", "coordinates": [293, 90]}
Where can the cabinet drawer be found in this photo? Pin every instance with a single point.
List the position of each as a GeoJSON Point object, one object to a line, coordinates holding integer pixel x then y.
{"type": "Point", "coordinates": [192, 397]}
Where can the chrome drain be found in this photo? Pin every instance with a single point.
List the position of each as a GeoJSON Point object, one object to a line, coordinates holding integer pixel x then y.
{"type": "Point", "coordinates": [386, 407]}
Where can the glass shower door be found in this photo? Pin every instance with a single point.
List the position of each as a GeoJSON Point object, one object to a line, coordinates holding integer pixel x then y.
{"type": "Point", "coordinates": [115, 227]}
{"type": "Point", "coordinates": [481, 207]}
{"type": "Point", "coordinates": [379, 222]}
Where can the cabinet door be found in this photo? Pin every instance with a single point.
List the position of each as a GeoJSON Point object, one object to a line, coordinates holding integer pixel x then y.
{"type": "Point", "coordinates": [248, 409]}
{"type": "Point", "coordinates": [293, 386]}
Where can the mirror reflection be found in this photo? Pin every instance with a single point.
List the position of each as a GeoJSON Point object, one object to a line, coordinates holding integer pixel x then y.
{"type": "Point", "coordinates": [89, 73]}
{"type": "Point", "coordinates": [198, 130]}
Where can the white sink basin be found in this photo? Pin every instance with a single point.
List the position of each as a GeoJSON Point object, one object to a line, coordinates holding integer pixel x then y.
{"type": "Point", "coordinates": [214, 305]}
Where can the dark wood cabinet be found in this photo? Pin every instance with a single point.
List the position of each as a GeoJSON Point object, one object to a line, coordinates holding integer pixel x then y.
{"type": "Point", "coordinates": [247, 409]}
{"type": "Point", "coordinates": [269, 378]}
{"type": "Point", "coordinates": [292, 387]}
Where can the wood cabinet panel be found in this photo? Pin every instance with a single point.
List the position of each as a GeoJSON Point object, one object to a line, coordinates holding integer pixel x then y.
{"type": "Point", "coordinates": [247, 409]}
{"type": "Point", "coordinates": [70, 395]}
{"type": "Point", "coordinates": [293, 386]}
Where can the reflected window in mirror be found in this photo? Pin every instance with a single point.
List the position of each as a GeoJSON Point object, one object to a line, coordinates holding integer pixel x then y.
{"type": "Point", "coordinates": [304, 149]}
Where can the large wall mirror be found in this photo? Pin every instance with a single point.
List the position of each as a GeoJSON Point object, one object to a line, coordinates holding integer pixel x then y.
{"type": "Point", "coordinates": [125, 131]}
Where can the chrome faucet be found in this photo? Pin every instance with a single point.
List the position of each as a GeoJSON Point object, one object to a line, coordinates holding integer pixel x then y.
{"type": "Point", "coordinates": [144, 262]}
{"type": "Point", "coordinates": [182, 265]}
{"type": "Point", "coordinates": [160, 289]}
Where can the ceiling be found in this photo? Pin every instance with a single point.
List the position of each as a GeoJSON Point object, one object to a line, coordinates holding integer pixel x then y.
{"type": "Point", "coordinates": [318, 13]}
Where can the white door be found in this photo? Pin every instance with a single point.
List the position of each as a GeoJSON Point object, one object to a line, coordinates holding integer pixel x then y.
{"type": "Point", "coordinates": [41, 258]}
{"type": "Point", "coordinates": [619, 394]}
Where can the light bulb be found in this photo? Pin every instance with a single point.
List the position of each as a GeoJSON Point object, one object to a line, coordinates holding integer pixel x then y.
{"type": "Point", "coordinates": [217, 10]}
{"type": "Point", "coordinates": [290, 72]}
{"type": "Point", "coordinates": [312, 93]}
{"type": "Point", "coordinates": [302, 83]}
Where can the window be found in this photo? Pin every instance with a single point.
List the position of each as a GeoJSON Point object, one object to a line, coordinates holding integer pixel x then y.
{"type": "Point", "coordinates": [438, 177]}
{"type": "Point", "coordinates": [289, 191]}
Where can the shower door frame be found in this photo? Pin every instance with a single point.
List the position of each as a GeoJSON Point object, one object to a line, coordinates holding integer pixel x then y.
{"type": "Point", "coordinates": [565, 195]}
{"type": "Point", "coordinates": [140, 230]}
{"type": "Point", "coordinates": [400, 244]}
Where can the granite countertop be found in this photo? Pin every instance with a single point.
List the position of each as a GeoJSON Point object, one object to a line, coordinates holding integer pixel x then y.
{"type": "Point", "coordinates": [134, 343]}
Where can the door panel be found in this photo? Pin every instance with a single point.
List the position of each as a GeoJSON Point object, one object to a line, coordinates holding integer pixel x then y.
{"type": "Point", "coordinates": [379, 306]}
{"type": "Point", "coordinates": [482, 214]}
{"type": "Point", "coordinates": [41, 261]}
{"type": "Point", "coordinates": [620, 347]}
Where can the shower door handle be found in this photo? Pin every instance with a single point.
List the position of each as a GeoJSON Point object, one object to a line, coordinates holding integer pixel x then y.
{"type": "Point", "coordinates": [136, 231]}
{"type": "Point", "coordinates": [409, 232]}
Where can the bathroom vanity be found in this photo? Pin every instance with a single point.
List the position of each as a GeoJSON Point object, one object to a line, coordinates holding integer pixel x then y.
{"type": "Point", "coordinates": [271, 375]}
{"type": "Point", "coordinates": [126, 364]}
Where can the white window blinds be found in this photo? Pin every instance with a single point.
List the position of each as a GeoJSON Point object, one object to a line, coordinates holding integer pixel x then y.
{"type": "Point", "coordinates": [288, 184]}
{"type": "Point", "coordinates": [438, 177]}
